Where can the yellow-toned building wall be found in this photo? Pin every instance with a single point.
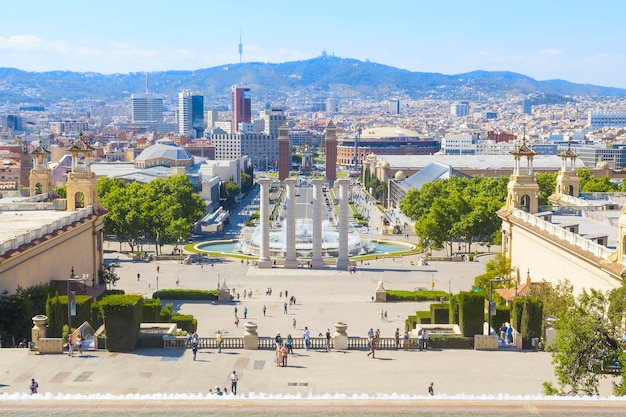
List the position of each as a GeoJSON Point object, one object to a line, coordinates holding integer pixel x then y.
{"type": "Point", "coordinates": [547, 259]}
{"type": "Point", "coordinates": [80, 246]}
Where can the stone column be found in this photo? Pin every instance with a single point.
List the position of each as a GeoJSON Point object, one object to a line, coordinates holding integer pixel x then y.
{"type": "Point", "coordinates": [264, 247]}
{"type": "Point", "coordinates": [291, 260]}
{"type": "Point", "coordinates": [317, 262]}
{"type": "Point", "coordinates": [251, 337]}
{"type": "Point", "coordinates": [342, 257]}
{"type": "Point", "coordinates": [340, 338]}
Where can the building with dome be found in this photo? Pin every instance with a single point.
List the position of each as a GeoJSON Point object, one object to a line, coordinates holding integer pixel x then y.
{"type": "Point", "coordinates": [164, 153]}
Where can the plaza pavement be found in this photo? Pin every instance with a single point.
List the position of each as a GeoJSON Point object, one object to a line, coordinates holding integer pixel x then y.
{"type": "Point", "coordinates": [323, 298]}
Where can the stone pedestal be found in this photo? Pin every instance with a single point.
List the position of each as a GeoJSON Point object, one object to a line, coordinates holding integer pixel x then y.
{"type": "Point", "coordinates": [39, 329]}
{"type": "Point", "coordinates": [485, 342]}
{"type": "Point", "coordinates": [380, 296]}
{"type": "Point", "coordinates": [340, 338]}
{"type": "Point", "coordinates": [251, 337]}
{"type": "Point", "coordinates": [291, 260]}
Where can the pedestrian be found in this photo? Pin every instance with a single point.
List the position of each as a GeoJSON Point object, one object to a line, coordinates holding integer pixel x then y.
{"type": "Point", "coordinates": [286, 292]}
{"type": "Point", "coordinates": [327, 340]}
{"type": "Point", "coordinates": [278, 340]}
{"type": "Point", "coordinates": [431, 388]}
{"type": "Point", "coordinates": [279, 355]}
{"type": "Point", "coordinates": [79, 344]}
{"type": "Point", "coordinates": [138, 275]}
{"type": "Point", "coordinates": [264, 310]}
{"type": "Point", "coordinates": [218, 341]}
{"type": "Point", "coordinates": [236, 322]}
{"type": "Point", "coordinates": [385, 315]}
{"type": "Point", "coordinates": [158, 268]}
{"type": "Point", "coordinates": [509, 334]}
{"type": "Point", "coordinates": [397, 337]}
{"type": "Point", "coordinates": [70, 346]}
{"type": "Point", "coordinates": [373, 346]}
{"type": "Point", "coordinates": [217, 391]}
{"type": "Point", "coordinates": [284, 352]}
{"type": "Point", "coordinates": [370, 337]}
{"type": "Point", "coordinates": [307, 338]}
{"type": "Point", "coordinates": [406, 339]}
{"type": "Point", "coordinates": [233, 382]}
{"type": "Point", "coordinates": [293, 323]}
{"type": "Point", "coordinates": [382, 316]}
{"type": "Point", "coordinates": [177, 281]}
{"type": "Point", "coordinates": [285, 308]}
{"type": "Point", "coordinates": [502, 331]}
{"type": "Point", "coordinates": [235, 311]}
{"type": "Point", "coordinates": [289, 344]}
{"type": "Point", "coordinates": [34, 385]}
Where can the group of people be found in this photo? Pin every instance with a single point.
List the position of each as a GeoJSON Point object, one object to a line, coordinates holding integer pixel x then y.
{"type": "Point", "coordinates": [506, 333]}
{"type": "Point", "coordinates": [373, 338]}
{"type": "Point", "coordinates": [75, 345]}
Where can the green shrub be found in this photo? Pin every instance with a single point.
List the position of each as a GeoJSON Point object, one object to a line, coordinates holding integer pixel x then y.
{"type": "Point", "coordinates": [57, 315]}
{"type": "Point", "coordinates": [166, 313]}
{"type": "Point", "coordinates": [451, 342]}
{"type": "Point", "coordinates": [151, 310]}
{"type": "Point", "coordinates": [106, 293]}
{"type": "Point", "coordinates": [517, 308]}
{"type": "Point", "coordinates": [410, 323]}
{"type": "Point", "coordinates": [122, 316]}
{"type": "Point", "coordinates": [97, 319]}
{"type": "Point", "coordinates": [453, 306]}
{"type": "Point", "coordinates": [471, 313]}
{"type": "Point", "coordinates": [422, 295]}
{"type": "Point", "coordinates": [423, 317]}
{"type": "Point", "coordinates": [175, 294]}
{"type": "Point", "coordinates": [440, 313]}
{"type": "Point", "coordinates": [532, 318]}
{"type": "Point", "coordinates": [186, 322]}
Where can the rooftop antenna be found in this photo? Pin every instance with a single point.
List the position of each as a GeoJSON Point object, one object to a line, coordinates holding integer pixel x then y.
{"type": "Point", "coordinates": [240, 46]}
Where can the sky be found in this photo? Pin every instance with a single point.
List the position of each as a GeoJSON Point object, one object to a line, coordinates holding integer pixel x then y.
{"type": "Point", "coordinates": [575, 40]}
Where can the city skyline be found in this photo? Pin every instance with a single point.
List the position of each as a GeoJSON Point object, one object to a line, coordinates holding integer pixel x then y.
{"type": "Point", "coordinates": [544, 40]}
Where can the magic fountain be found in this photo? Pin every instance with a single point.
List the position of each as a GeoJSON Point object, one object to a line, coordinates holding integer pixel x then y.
{"type": "Point", "coordinates": [250, 238]}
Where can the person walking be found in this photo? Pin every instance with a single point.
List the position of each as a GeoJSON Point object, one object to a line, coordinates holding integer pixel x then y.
{"type": "Point", "coordinates": [245, 312]}
{"type": "Point", "coordinates": [285, 308]}
{"type": "Point", "coordinates": [278, 340]}
{"type": "Point", "coordinates": [431, 388]}
{"type": "Point", "coordinates": [307, 338]}
{"type": "Point", "coordinates": [233, 382]}
{"type": "Point", "coordinates": [370, 337]}
{"type": "Point", "coordinates": [327, 340]}
{"type": "Point", "coordinates": [264, 310]}
{"type": "Point", "coordinates": [284, 352]}
{"type": "Point", "coordinates": [373, 346]}
{"type": "Point", "coordinates": [397, 338]}
{"type": "Point", "coordinates": [293, 323]}
{"type": "Point", "coordinates": [218, 341]}
{"type": "Point", "coordinates": [138, 275]}
{"type": "Point", "coordinates": [33, 386]}
{"type": "Point", "coordinates": [195, 341]}
{"type": "Point", "coordinates": [289, 344]}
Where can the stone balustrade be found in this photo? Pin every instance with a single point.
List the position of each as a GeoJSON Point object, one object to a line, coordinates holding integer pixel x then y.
{"type": "Point", "coordinates": [268, 343]}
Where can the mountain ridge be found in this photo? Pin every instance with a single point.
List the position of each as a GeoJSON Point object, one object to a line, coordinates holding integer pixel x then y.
{"type": "Point", "coordinates": [324, 75]}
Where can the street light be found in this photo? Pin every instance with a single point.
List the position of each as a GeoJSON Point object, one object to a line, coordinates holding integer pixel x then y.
{"type": "Point", "coordinates": [71, 297]}
{"type": "Point", "coordinates": [492, 307]}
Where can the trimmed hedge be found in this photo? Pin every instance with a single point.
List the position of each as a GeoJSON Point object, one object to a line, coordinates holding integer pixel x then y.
{"type": "Point", "coordinates": [422, 295]}
{"type": "Point", "coordinates": [532, 319]}
{"type": "Point", "coordinates": [451, 342]}
{"type": "Point", "coordinates": [56, 310]}
{"type": "Point", "coordinates": [517, 308]}
{"type": "Point", "coordinates": [185, 322]}
{"type": "Point", "coordinates": [106, 293]}
{"type": "Point", "coordinates": [440, 313]}
{"type": "Point", "coordinates": [97, 319]}
{"type": "Point", "coordinates": [453, 306]}
{"type": "Point", "coordinates": [471, 313]}
{"type": "Point", "coordinates": [409, 323]}
{"type": "Point", "coordinates": [151, 310]}
{"type": "Point", "coordinates": [122, 316]}
{"type": "Point", "coordinates": [174, 294]}
{"type": "Point", "coordinates": [423, 317]}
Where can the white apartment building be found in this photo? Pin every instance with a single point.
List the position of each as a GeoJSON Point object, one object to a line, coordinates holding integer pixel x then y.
{"type": "Point", "coordinates": [458, 144]}
{"type": "Point", "coordinates": [599, 119]}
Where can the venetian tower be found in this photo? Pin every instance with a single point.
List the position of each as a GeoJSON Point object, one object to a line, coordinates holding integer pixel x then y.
{"type": "Point", "coordinates": [567, 181]}
{"type": "Point", "coordinates": [284, 152]}
{"type": "Point", "coordinates": [81, 185]}
{"type": "Point", "coordinates": [331, 153]}
{"type": "Point", "coordinates": [40, 177]}
{"type": "Point", "coordinates": [523, 190]}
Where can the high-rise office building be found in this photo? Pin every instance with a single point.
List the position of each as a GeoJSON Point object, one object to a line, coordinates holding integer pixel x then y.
{"type": "Point", "coordinates": [212, 117]}
{"type": "Point", "coordinates": [527, 106]}
{"type": "Point", "coordinates": [146, 108]}
{"type": "Point", "coordinates": [394, 106]}
{"type": "Point", "coordinates": [190, 114]}
{"type": "Point", "coordinates": [242, 106]}
{"type": "Point", "coordinates": [273, 118]}
{"type": "Point", "coordinates": [460, 109]}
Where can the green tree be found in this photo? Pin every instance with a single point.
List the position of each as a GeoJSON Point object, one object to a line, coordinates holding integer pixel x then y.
{"type": "Point", "coordinates": [585, 337]}
{"type": "Point", "coordinates": [246, 182]}
{"type": "Point", "coordinates": [498, 266]}
{"type": "Point", "coordinates": [229, 190]}
{"type": "Point", "coordinates": [108, 275]}
{"type": "Point", "coordinates": [547, 186]}
{"type": "Point", "coordinates": [556, 299]}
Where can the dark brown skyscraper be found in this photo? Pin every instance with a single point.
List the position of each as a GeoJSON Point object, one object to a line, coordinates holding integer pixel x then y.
{"type": "Point", "coordinates": [331, 152]}
{"type": "Point", "coordinates": [284, 152]}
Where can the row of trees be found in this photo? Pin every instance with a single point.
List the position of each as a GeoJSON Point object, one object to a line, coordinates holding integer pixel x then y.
{"type": "Point", "coordinates": [456, 209]}
{"type": "Point", "coordinates": [16, 311]}
{"type": "Point", "coordinates": [161, 211]}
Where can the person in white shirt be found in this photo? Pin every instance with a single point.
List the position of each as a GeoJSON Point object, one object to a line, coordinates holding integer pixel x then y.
{"type": "Point", "coordinates": [233, 382]}
{"type": "Point", "coordinates": [307, 338]}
